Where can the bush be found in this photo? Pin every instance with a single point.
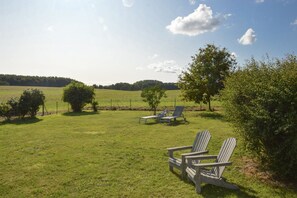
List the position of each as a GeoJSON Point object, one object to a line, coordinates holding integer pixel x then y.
{"type": "Point", "coordinates": [30, 101]}
{"type": "Point", "coordinates": [78, 95]}
{"type": "Point", "coordinates": [261, 102]}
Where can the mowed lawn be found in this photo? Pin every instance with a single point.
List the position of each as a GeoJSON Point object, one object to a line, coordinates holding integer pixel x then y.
{"type": "Point", "coordinates": [109, 154]}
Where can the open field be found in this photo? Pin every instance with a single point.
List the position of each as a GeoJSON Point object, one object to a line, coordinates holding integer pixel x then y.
{"type": "Point", "coordinates": [110, 155]}
{"type": "Point", "coordinates": [106, 98]}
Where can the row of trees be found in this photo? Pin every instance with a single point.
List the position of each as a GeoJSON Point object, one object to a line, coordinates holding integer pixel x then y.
{"type": "Point", "coordinates": [139, 85]}
{"type": "Point", "coordinates": [18, 80]}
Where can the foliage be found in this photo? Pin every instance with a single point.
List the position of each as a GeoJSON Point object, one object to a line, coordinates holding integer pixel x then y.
{"type": "Point", "coordinates": [206, 74]}
{"type": "Point", "coordinates": [94, 104]}
{"type": "Point", "coordinates": [30, 101]}
{"type": "Point", "coordinates": [153, 96]}
{"type": "Point", "coordinates": [18, 80]}
{"type": "Point", "coordinates": [5, 111]}
{"type": "Point", "coordinates": [78, 95]}
{"type": "Point", "coordinates": [139, 85]}
{"type": "Point", "coordinates": [261, 102]}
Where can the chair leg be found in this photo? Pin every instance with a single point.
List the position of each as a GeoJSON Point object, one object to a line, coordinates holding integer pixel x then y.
{"type": "Point", "coordinates": [171, 168]}
{"type": "Point", "coordinates": [197, 179]}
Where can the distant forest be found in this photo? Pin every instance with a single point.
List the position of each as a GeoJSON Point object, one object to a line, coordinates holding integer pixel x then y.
{"type": "Point", "coordinates": [18, 80]}
{"type": "Point", "coordinates": [139, 85]}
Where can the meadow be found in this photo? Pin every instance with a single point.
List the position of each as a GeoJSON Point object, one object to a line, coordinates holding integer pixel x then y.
{"type": "Point", "coordinates": [107, 99]}
{"type": "Point", "coordinates": [109, 154]}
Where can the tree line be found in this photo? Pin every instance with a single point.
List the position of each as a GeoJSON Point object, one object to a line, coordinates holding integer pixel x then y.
{"type": "Point", "coordinates": [19, 80]}
{"type": "Point", "coordinates": [139, 85]}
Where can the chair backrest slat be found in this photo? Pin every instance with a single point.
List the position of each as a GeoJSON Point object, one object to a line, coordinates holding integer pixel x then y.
{"type": "Point", "coordinates": [201, 141]}
{"type": "Point", "coordinates": [224, 155]}
{"type": "Point", "coordinates": [178, 111]}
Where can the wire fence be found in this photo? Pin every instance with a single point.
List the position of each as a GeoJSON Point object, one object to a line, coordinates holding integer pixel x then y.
{"type": "Point", "coordinates": [56, 107]}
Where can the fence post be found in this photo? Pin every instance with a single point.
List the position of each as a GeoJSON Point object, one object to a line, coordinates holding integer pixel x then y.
{"type": "Point", "coordinates": [57, 107]}
{"type": "Point", "coordinates": [110, 103]}
{"type": "Point", "coordinates": [130, 105]}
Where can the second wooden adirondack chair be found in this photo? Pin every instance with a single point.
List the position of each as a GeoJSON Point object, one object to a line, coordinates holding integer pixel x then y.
{"type": "Point", "coordinates": [198, 174]}
{"type": "Point", "coordinates": [198, 148]}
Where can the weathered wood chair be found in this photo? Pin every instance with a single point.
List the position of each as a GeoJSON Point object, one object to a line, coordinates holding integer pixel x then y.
{"type": "Point", "coordinates": [198, 148]}
{"type": "Point", "coordinates": [198, 174]}
{"type": "Point", "coordinates": [178, 113]}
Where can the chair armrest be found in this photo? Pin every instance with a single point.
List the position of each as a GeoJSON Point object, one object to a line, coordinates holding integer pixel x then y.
{"type": "Point", "coordinates": [194, 153]}
{"type": "Point", "coordinates": [216, 164]}
{"type": "Point", "coordinates": [179, 148]}
{"type": "Point", "coordinates": [201, 157]}
{"type": "Point", "coordinates": [171, 150]}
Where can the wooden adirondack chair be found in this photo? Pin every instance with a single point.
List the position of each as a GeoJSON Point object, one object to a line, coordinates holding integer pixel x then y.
{"type": "Point", "coordinates": [178, 113]}
{"type": "Point", "coordinates": [198, 174]}
{"type": "Point", "coordinates": [198, 148]}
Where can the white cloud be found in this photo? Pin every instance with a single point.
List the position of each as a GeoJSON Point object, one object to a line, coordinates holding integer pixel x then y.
{"type": "Point", "coordinates": [295, 22]}
{"type": "Point", "coordinates": [198, 22]}
{"type": "Point", "coordinates": [50, 28]}
{"type": "Point", "coordinates": [154, 56]}
{"type": "Point", "coordinates": [248, 38]}
{"type": "Point", "coordinates": [192, 2]}
{"type": "Point", "coordinates": [128, 3]}
{"type": "Point", "coordinates": [102, 23]}
{"type": "Point", "coordinates": [139, 68]}
{"type": "Point", "coordinates": [167, 66]}
{"type": "Point", "coordinates": [259, 1]}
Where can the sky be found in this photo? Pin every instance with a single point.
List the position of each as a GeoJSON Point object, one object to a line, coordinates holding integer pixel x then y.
{"type": "Point", "coordinates": [110, 41]}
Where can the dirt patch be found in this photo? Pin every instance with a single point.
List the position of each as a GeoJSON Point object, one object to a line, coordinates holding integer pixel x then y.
{"type": "Point", "coordinates": [251, 168]}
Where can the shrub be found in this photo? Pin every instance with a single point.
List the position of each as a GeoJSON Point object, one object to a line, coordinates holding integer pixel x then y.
{"type": "Point", "coordinates": [30, 101]}
{"type": "Point", "coordinates": [78, 95]}
{"type": "Point", "coordinates": [261, 101]}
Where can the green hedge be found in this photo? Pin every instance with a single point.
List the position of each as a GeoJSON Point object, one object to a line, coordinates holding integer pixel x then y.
{"type": "Point", "coordinates": [261, 101]}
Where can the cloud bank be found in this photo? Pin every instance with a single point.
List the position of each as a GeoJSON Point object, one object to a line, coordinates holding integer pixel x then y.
{"type": "Point", "coordinates": [248, 38]}
{"type": "Point", "coordinates": [196, 23]}
{"type": "Point", "coordinates": [167, 66]}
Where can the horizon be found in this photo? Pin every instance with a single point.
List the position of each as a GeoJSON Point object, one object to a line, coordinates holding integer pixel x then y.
{"type": "Point", "coordinates": [107, 42]}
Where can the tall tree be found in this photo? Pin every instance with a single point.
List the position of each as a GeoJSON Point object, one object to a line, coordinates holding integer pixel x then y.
{"type": "Point", "coordinates": [205, 75]}
{"type": "Point", "coordinates": [153, 96]}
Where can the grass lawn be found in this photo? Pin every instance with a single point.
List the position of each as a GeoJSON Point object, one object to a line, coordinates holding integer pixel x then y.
{"type": "Point", "coordinates": [110, 155]}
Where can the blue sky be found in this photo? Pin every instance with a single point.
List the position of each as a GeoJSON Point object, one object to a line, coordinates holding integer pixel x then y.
{"type": "Point", "coordinates": [110, 41]}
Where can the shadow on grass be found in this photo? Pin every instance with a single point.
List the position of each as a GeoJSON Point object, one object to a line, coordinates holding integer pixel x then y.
{"type": "Point", "coordinates": [212, 115]}
{"type": "Point", "coordinates": [19, 121]}
{"type": "Point", "coordinates": [209, 190]}
{"type": "Point", "coordinates": [80, 113]}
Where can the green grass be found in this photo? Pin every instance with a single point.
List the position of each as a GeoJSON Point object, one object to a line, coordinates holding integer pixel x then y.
{"type": "Point", "coordinates": [106, 98]}
{"type": "Point", "coordinates": [110, 155]}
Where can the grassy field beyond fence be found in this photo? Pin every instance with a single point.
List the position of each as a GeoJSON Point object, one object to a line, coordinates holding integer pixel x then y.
{"type": "Point", "coordinates": [107, 99]}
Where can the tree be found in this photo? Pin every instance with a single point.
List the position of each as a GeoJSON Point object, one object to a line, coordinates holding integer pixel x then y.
{"type": "Point", "coordinates": [78, 95]}
{"type": "Point", "coordinates": [261, 102]}
{"type": "Point", "coordinates": [30, 101]}
{"type": "Point", "coordinates": [205, 75]}
{"type": "Point", "coordinates": [153, 96]}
